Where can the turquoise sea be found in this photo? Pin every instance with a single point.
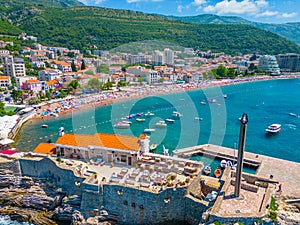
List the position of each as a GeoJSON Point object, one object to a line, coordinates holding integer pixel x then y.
{"type": "Point", "coordinates": [265, 102]}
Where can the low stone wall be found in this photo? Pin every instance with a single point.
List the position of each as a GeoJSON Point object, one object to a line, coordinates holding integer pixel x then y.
{"type": "Point", "coordinates": [46, 168]}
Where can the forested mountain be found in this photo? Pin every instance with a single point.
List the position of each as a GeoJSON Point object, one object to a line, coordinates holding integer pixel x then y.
{"type": "Point", "coordinates": [291, 31]}
{"type": "Point", "coordinates": [81, 27]}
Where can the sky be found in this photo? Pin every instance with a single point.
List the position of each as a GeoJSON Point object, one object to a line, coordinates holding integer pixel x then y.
{"type": "Point", "coordinates": [266, 11]}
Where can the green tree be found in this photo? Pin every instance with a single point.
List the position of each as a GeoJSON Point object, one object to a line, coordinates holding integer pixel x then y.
{"type": "Point", "coordinates": [83, 66]}
{"type": "Point", "coordinates": [17, 95]}
{"type": "Point", "coordinates": [73, 85]}
{"type": "Point", "coordinates": [73, 66]}
{"type": "Point", "coordinates": [103, 68]}
{"type": "Point", "coordinates": [252, 67]}
{"type": "Point", "coordinates": [94, 83]}
{"type": "Point", "coordinates": [122, 83]}
{"type": "Point", "coordinates": [108, 85]}
{"type": "Point", "coordinates": [221, 71]}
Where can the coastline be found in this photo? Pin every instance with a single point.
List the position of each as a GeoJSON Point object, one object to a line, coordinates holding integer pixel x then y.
{"type": "Point", "coordinates": [97, 101]}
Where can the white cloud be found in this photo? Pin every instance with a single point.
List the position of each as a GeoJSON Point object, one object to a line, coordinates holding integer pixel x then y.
{"type": "Point", "coordinates": [289, 15]}
{"type": "Point", "coordinates": [232, 6]}
{"type": "Point", "coordinates": [180, 8]}
{"type": "Point", "coordinates": [267, 13]}
{"type": "Point", "coordinates": [92, 2]}
{"type": "Point", "coordinates": [199, 2]}
{"type": "Point", "coordinates": [134, 1]}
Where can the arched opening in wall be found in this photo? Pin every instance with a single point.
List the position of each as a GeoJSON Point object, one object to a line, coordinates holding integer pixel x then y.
{"type": "Point", "coordinates": [125, 202]}
{"type": "Point", "coordinates": [133, 205]}
{"type": "Point", "coordinates": [58, 179]}
{"type": "Point", "coordinates": [141, 207]}
{"type": "Point", "coordinates": [167, 200]}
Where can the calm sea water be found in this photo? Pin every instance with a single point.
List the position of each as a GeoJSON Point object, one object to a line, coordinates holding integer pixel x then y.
{"type": "Point", "coordinates": [265, 102]}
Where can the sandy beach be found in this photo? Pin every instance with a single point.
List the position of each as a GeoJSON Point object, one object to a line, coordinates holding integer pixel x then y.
{"type": "Point", "coordinates": [69, 105]}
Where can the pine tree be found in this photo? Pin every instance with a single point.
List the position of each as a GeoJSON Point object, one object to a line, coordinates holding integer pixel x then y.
{"type": "Point", "coordinates": [83, 66]}
{"type": "Point", "coordinates": [73, 66]}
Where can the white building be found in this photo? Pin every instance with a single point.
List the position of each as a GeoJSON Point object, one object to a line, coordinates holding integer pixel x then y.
{"type": "Point", "coordinates": [157, 58]}
{"type": "Point", "coordinates": [268, 63]}
{"type": "Point", "coordinates": [5, 81]}
{"type": "Point", "coordinates": [13, 67]}
{"type": "Point", "coordinates": [49, 74]}
{"type": "Point", "coordinates": [169, 56]}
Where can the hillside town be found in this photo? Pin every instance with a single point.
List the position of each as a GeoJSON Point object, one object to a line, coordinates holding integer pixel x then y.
{"type": "Point", "coordinates": [38, 72]}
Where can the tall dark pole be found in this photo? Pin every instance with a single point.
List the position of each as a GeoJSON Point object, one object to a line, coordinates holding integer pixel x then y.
{"type": "Point", "coordinates": [242, 141]}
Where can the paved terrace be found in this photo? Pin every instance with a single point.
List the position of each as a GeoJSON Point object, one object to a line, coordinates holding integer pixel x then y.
{"type": "Point", "coordinates": [152, 173]}
{"type": "Point", "coordinates": [285, 172]}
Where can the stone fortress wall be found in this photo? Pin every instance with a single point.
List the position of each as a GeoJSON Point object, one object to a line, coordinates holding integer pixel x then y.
{"type": "Point", "coordinates": [129, 205]}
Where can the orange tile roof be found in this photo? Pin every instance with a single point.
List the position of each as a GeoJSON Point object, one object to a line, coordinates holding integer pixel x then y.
{"type": "Point", "coordinates": [51, 82]}
{"type": "Point", "coordinates": [100, 139]}
{"type": "Point", "coordinates": [45, 148]}
{"type": "Point", "coordinates": [4, 77]}
{"type": "Point", "coordinates": [32, 81]}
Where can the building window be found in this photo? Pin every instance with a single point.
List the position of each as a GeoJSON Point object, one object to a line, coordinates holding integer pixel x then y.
{"type": "Point", "coordinates": [124, 158]}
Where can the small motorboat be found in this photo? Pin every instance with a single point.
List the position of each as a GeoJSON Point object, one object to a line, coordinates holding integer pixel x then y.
{"type": "Point", "coordinates": [121, 125]}
{"type": "Point", "coordinates": [198, 118]}
{"type": "Point", "coordinates": [161, 124]}
{"type": "Point", "coordinates": [149, 130]}
{"type": "Point", "coordinates": [273, 128]}
{"type": "Point", "coordinates": [212, 100]}
{"type": "Point", "coordinates": [153, 147]}
{"type": "Point", "coordinates": [169, 120]}
{"type": "Point", "coordinates": [176, 114]}
{"type": "Point", "coordinates": [217, 172]}
{"type": "Point", "coordinates": [293, 114]}
{"type": "Point", "coordinates": [149, 114]}
{"type": "Point", "coordinates": [207, 170]}
{"type": "Point", "coordinates": [44, 126]}
{"type": "Point", "coordinates": [203, 102]}
{"type": "Point", "coordinates": [225, 96]}
{"type": "Point", "coordinates": [140, 119]}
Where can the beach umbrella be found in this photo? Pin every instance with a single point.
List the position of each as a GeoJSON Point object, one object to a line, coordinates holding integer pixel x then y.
{"type": "Point", "coordinates": [8, 152]}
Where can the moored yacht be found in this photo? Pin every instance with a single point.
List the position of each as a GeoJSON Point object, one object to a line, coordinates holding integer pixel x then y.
{"type": "Point", "coordinates": [273, 128]}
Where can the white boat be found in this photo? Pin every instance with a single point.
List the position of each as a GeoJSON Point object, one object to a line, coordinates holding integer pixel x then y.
{"type": "Point", "coordinates": [273, 128]}
{"type": "Point", "coordinates": [203, 102]}
{"type": "Point", "coordinates": [125, 121]}
{"type": "Point", "coordinates": [149, 130]}
{"type": "Point", "coordinates": [224, 96]}
{"type": "Point", "coordinates": [44, 126]}
{"type": "Point", "coordinates": [149, 114]}
{"type": "Point", "coordinates": [140, 119]}
{"type": "Point", "coordinates": [153, 147]}
{"type": "Point", "coordinates": [198, 118]}
{"type": "Point", "coordinates": [223, 163]}
{"type": "Point", "coordinates": [169, 120]}
{"type": "Point", "coordinates": [161, 123]}
{"type": "Point", "coordinates": [207, 170]}
{"type": "Point", "coordinates": [212, 100]}
{"type": "Point", "coordinates": [122, 125]}
{"type": "Point", "coordinates": [293, 114]}
{"type": "Point", "coordinates": [176, 114]}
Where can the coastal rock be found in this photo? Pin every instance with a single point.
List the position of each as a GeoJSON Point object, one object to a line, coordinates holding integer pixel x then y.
{"type": "Point", "coordinates": [37, 201]}
{"type": "Point", "coordinates": [64, 213]}
{"type": "Point", "coordinates": [74, 200]}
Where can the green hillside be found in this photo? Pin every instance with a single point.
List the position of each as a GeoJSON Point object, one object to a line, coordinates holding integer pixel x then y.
{"type": "Point", "coordinates": [291, 31]}
{"type": "Point", "coordinates": [8, 29]}
{"type": "Point", "coordinates": [82, 27]}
